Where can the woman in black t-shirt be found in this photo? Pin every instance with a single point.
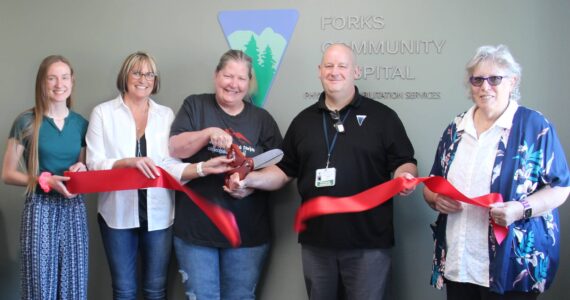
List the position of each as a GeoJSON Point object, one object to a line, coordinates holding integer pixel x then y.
{"type": "Point", "coordinates": [205, 126]}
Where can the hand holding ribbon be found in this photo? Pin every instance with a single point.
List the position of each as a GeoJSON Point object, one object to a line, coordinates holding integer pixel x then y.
{"type": "Point", "coordinates": [370, 198]}
{"type": "Point", "coordinates": [131, 179]}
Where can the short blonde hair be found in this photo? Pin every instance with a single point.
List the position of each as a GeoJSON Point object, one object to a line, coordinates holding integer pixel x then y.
{"type": "Point", "coordinates": [134, 60]}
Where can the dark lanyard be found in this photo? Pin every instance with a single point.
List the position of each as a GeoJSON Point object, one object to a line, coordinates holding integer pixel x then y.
{"type": "Point", "coordinates": [330, 147]}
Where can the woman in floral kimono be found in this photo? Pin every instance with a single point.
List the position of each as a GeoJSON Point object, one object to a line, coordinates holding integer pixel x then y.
{"type": "Point", "coordinates": [498, 146]}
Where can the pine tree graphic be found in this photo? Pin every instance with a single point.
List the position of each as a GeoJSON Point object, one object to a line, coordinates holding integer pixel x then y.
{"type": "Point", "coordinates": [264, 68]}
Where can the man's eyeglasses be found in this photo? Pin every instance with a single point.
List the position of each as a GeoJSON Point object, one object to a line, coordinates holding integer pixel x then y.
{"type": "Point", "coordinates": [492, 80]}
{"type": "Point", "coordinates": [148, 76]}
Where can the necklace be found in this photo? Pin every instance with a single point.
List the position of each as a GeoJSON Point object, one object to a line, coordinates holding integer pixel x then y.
{"type": "Point", "coordinates": [140, 116]}
{"type": "Point", "coordinates": [141, 120]}
{"type": "Point", "coordinates": [53, 116]}
{"type": "Point", "coordinates": [58, 121]}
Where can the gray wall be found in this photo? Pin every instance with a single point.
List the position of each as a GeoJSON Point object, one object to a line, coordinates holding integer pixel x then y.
{"type": "Point", "coordinates": [187, 40]}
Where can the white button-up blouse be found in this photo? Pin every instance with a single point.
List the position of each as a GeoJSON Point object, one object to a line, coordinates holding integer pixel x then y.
{"type": "Point", "coordinates": [112, 136]}
{"type": "Point", "coordinates": [467, 232]}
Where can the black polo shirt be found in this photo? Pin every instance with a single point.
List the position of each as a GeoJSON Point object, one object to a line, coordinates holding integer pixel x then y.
{"type": "Point", "coordinates": [373, 145]}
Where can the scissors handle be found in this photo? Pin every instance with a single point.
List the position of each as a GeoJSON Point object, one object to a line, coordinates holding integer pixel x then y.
{"type": "Point", "coordinates": [241, 164]}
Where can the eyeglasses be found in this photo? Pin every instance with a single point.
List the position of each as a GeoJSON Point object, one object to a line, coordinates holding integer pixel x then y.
{"type": "Point", "coordinates": [492, 80]}
{"type": "Point", "coordinates": [335, 115]}
{"type": "Point", "coordinates": [148, 75]}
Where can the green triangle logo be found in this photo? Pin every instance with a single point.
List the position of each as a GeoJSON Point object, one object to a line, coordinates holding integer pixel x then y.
{"type": "Point", "coordinates": [264, 36]}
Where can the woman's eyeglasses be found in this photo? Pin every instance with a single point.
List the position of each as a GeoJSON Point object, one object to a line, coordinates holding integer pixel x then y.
{"type": "Point", "coordinates": [148, 76]}
{"type": "Point", "coordinates": [492, 80]}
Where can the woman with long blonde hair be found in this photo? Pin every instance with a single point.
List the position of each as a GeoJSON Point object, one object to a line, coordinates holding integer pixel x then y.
{"type": "Point", "coordinates": [50, 139]}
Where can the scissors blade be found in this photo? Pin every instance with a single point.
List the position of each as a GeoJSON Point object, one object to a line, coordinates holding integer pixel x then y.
{"type": "Point", "coordinates": [267, 158]}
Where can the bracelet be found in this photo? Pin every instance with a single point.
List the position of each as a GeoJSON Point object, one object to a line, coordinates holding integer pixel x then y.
{"type": "Point", "coordinates": [43, 181]}
{"type": "Point", "coordinates": [199, 169]}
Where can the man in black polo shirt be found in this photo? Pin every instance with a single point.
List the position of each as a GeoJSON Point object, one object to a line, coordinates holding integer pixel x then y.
{"type": "Point", "coordinates": [340, 146]}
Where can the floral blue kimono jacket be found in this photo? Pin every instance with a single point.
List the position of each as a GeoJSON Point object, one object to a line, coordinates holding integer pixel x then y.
{"type": "Point", "coordinates": [529, 157]}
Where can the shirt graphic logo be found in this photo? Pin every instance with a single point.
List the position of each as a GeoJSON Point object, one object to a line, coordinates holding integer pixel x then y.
{"type": "Point", "coordinates": [263, 35]}
{"type": "Point", "coordinates": [238, 136]}
{"type": "Point", "coordinates": [360, 119]}
{"type": "Point", "coordinates": [244, 144]}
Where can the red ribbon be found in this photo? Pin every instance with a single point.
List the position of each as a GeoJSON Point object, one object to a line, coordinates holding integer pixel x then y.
{"type": "Point", "coordinates": [133, 179]}
{"type": "Point", "coordinates": [370, 198]}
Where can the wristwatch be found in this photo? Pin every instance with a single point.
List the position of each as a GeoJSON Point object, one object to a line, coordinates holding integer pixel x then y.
{"type": "Point", "coordinates": [527, 211]}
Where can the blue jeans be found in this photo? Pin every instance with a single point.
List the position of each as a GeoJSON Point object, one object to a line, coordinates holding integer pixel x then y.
{"type": "Point", "coordinates": [219, 273]}
{"type": "Point", "coordinates": [123, 246]}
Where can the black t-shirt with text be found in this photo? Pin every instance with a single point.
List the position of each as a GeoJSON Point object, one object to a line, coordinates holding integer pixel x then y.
{"type": "Point", "coordinates": [254, 131]}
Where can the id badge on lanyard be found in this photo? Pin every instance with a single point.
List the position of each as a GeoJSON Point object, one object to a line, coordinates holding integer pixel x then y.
{"type": "Point", "coordinates": [327, 176]}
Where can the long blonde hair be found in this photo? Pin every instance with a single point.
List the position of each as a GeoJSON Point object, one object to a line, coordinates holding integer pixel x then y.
{"type": "Point", "coordinates": [32, 130]}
